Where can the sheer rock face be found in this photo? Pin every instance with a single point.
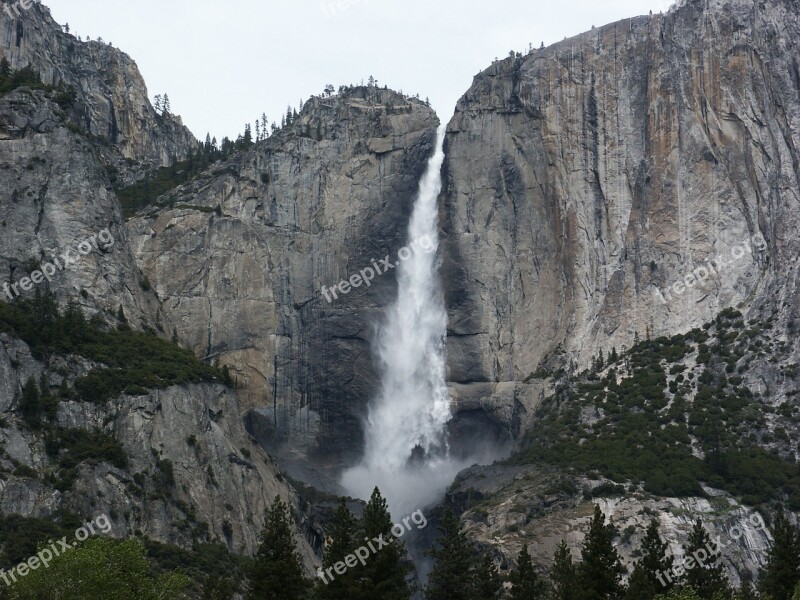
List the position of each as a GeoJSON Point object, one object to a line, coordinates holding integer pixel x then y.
{"type": "Point", "coordinates": [56, 194]}
{"type": "Point", "coordinates": [220, 472]}
{"type": "Point", "coordinates": [239, 257]}
{"type": "Point", "coordinates": [112, 100]}
{"type": "Point", "coordinates": [585, 179]}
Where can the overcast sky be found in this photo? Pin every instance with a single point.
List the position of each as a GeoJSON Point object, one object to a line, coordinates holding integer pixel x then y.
{"type": "Point", "coordinates": [224, 62]}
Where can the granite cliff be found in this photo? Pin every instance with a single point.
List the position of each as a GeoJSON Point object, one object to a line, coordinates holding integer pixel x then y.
{"type": "Point", "coordinates": [586, 178]}
{"type": "Point", "coordinates": [589, 187]}
{"type": "Point", "coordinates": [622, 185]}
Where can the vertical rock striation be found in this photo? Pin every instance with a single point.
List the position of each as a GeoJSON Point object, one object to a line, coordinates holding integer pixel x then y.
{"type": "Point", "coordinates": [240, 255]}
{"type": "Point", "coordinates": [112, 101]}
{"type": "Point", "coordinates": [585, 179]}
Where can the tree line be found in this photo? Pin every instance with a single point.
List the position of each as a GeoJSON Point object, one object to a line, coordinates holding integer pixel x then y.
{"type": "Point", "coordinates": [459, 572]}
{"type": "Point", "coordinates": [599, 574]}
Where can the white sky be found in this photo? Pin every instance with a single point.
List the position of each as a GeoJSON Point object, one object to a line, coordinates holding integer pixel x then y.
{"type": "Point", "coordinates": [224, 62]}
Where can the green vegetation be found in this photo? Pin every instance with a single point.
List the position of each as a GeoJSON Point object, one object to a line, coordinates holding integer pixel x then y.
{"type": "Point", "coordinates": [707, 578]}
{"type": "Point", "coordinates": [71, 447]}
{"type": "Point", "coordinates": [134, 361]}
{"type": "Point", "coordinates": [527, 585]}
{"type": "Point", "coordinates": [27, 77]}
{"type": "Point", "coordinates": [781, 576]}
{"type": "Point", "coordinates": [563, 574]}
{"type": "Point", "coordinates": [19, 536]}
{"type": "Point", "coordinates": [644, 582]}
{"type": "Point", "coordinates": [36, 405]}
{"type": "Point", "coordinates": [142, 194]}
{"type": "Point", "coordinates": [383, 576]}
{"type": "Point", "coordinates": [277, 572]}
{"type": "Point", "coordinates": [98, 569]}
{"type": "Point", "coordinates": [209, 565]}
{"type": "Point", "coordinates": [600, 570]}
{"type": "Point", "coordinates": [644, 417]}
{"type": "Point", "coordinates": [454, 572]}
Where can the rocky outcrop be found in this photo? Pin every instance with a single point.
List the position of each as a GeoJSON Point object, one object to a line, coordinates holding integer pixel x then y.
{"type": "Point", "coordinates": [193, 473]}
{"type": "Point", "coordinates": [239, 258]}
{"type": "Point", "coordinates": [587, 182]}
{"type": "Point", "coordinates": [57, 194]}
{"type": "Point", "coordinates": [220, 484]}
{"type": "Point", "coordinates": [507, 507]}
{"type": "Point", "coordinates": [112, 100]}
{"type": "Point", "coordinates": [630, 181]}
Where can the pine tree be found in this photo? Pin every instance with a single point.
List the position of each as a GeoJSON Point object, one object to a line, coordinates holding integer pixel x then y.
{"type": "Point", "coordinates": [746, 592]}
{"type": "Point", "coordinates": [614, 357]}
{"type": "Point", "coordinates": [384, 576]}
{"type": "Point", "coordinates": [30, 404]}
{"type": "Point", "coordinates": [600, 571]}
{"type": "Point", "coordinates": [563, 574]}
{"type": "Point", "coordinates": [5, 70]}
{"type": "Point", "coordinates": [526, 583]}
{"type": "Point", "coordinates": [157, 103]}
{"type": "Point", "coordinates": [454, 561]}
{"type": "Point", "coordinates": [166, 106]}
{"type": "Point", "coordinates": [217, 589]}
{"type": "Point", "coordinates": [707, 577]}
{"type": "Point", "coordinates": [248, 136]}
{"type": "Point", "coordinates": [779, 578]}
{"type": "Point", "coordinates": [343, 533]}
{"type": "Point", "coordinates": [277, 573]}
{"type": "Point", "coordinates": [650, 573]}
{"type": "Point", "coordinates": [486, 580]}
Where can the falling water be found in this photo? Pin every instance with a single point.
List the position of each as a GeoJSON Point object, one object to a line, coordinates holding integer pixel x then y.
{"type": "Point", "coordinates": [405, 451]}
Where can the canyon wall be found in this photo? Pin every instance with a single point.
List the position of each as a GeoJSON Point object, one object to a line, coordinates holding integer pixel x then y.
{"type": "Point", "coordinates": [585, 179]}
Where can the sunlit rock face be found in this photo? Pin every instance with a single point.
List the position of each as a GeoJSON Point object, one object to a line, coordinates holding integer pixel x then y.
{"type": "Point", "coordinates": [240, 256]}
{"type": "Point", "coordinates": [586, 180]}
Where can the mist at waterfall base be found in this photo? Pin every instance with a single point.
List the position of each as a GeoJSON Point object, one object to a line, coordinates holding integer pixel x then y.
{"type": "Point", "coordinates": [406, 450]}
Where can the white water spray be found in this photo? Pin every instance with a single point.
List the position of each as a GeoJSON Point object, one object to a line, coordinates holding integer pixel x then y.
{"type": "Point", "coordinates": [406, 453]}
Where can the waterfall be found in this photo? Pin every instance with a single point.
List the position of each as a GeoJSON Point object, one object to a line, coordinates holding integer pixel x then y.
{"type": "Point", "coordinates": [405, 451]}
